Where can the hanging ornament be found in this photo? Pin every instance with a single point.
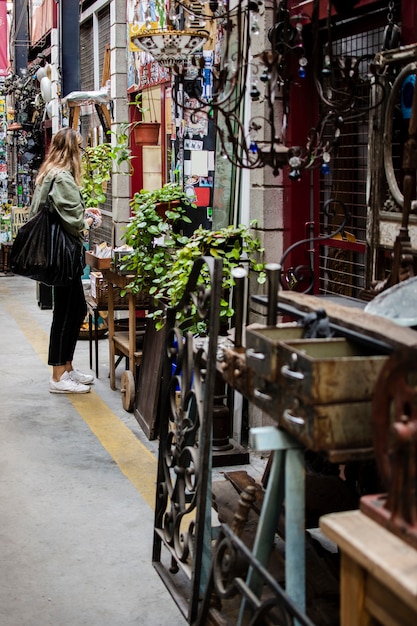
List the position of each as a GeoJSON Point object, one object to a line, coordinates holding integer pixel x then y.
{"type": "Point", "coordinates": [254, 29]}
{"type": "Point", "coordinates": [302, 67]}
{"type": "Point", "coordinates": [299, 35]}
{"type": "Point", "coordinates": [326, 65]}
{"type": "Point", "coordinates": [294, 175]}
{"type": "Point", "coordinates": [295, 163]}
{"type": "Point", "coordinates": [253, 148]}
{"type": "Point", "coordinates": [325, 167]}
{"type": "Point", "coordinates": [264, 77]}
{"type": "Point", "coordinates": [254, 93]}
{"type": "Point", "coordinates": [148, 17]}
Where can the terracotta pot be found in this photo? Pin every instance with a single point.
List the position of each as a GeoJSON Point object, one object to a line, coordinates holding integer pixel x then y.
{"type": "Point", "coordinates": [147, 133]}
{"type": "Point", "coordinates": [162, 207]}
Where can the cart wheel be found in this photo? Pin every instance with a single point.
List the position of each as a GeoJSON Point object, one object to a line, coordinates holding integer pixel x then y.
{"type": "Point", "coordinates": [394, 408]}
{"type": "Point", "coordinates": [128, 390]}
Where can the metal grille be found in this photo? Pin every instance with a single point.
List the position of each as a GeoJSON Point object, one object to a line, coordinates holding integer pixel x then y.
{"type": "Point", "coordinates": [342, 260]}
{"type": "Point", "coordinates": [103, 18]}
{"type": "Point", "coordinates": [87, 56]}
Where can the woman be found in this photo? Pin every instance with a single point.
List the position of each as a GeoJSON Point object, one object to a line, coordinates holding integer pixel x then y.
{"type": "Point", "coordinates": [60, 177]}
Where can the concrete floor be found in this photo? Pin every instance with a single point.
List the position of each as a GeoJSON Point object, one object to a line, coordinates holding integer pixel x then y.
{"type": "Point", "coordinates": [76, 528]}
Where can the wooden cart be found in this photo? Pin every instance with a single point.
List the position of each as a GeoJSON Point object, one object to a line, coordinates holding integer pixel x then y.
{"type": "Point", "coordinates": [127, 342]}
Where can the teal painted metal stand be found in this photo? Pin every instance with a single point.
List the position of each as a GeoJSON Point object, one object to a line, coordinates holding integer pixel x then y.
{"type": "Point", "coordinates": [285, 482]}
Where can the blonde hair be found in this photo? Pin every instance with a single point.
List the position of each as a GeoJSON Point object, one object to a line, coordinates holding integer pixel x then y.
{"type": "Point", "coordinates": [64, 154]}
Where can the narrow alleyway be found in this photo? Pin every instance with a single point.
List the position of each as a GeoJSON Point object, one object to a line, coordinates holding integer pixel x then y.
{"type": "Point", "coordinates": [76, 486]}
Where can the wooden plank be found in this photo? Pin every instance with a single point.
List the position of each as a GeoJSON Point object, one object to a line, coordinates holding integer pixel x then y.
{"type": "Point", "coordinates": [149, 380]}
{"type": "Point", "coordinates": [354, 319]}
{"type": "Point", "coordinates": [381, 603]}
{"type": "Point", "coordinates": [105, 76]}
{"type": "Point", "coordinates": [352, 593]}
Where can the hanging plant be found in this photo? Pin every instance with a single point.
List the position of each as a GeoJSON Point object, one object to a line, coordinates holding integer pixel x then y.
{"type": "Point", "coordinates": [98, 162]}
{"type": "Point", "coordinates": [146, 133]}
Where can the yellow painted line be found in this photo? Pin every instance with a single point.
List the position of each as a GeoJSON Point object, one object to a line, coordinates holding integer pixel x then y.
{"type": "Point", "coordinates": [135, 461]}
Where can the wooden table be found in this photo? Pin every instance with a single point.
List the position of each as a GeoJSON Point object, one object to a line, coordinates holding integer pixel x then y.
{"type": "Point", "coordinates": [378, 578]}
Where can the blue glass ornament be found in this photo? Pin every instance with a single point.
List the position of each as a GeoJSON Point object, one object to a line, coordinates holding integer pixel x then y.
{"type": "Point", "coordinates": [301, 72]}
{"type": "Point", "coordinates": [325, 168]}
{"type": "Point", "coordinates": [253, 147]}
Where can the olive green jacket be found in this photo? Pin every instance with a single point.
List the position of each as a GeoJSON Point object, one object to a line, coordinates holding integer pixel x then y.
{"type": "Point", "coordinates": [65, 198]}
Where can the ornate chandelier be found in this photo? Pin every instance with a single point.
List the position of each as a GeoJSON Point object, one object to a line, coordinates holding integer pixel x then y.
{"type": "Point", "coordinates": [168, 46]}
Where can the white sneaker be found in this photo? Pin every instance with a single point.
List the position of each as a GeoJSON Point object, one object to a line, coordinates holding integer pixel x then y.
{"type": "Point", "coordinates": [67, 385]}
{"type": "Point", "coordinates": [80, 377]}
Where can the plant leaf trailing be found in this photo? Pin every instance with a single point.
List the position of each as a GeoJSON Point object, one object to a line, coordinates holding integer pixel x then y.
{"type": "Point", "coordinates": [162, 256]}
{"type": "Point", "coordinates": [98, 162]}
{"type": "Point", "coordinates": [235, 245]}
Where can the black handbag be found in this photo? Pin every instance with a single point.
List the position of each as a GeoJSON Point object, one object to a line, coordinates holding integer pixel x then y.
{"type": "Point", "coordinates": [44, 251]}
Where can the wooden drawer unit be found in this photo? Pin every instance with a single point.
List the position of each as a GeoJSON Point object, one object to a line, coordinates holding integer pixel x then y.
{"type": "Point", "coordinates": [319, 390]}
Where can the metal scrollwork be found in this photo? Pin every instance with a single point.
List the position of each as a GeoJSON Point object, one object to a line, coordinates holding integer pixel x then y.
{"type": "Point", "coordinates": [231, 560]}
{"type": "Point", "coordinates": [182, 513]}
{"type": "Point", "coordinates": [294, 275]}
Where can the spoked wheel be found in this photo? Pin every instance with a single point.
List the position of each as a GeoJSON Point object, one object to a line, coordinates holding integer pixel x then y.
{"type": "Point", "coordinates": [128, 390]}
{"type": "Point", "coordinates": [394, 411]}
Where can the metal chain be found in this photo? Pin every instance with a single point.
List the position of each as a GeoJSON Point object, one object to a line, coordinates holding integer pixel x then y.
{"type": "Point", "coordinates": [390, 16]}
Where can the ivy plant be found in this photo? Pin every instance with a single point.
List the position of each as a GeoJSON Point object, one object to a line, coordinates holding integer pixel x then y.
{"type": "Point", "coordinates": [235, 245]}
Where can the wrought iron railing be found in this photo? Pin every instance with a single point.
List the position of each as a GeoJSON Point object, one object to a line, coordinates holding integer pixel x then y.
{"type": "Point", "coordinates": [182, 530]}
{"type": "Point", "coordinates": [202, 574]}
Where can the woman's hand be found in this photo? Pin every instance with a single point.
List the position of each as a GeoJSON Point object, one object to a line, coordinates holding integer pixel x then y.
{"type": "Point", "coordinates": [93, 218]}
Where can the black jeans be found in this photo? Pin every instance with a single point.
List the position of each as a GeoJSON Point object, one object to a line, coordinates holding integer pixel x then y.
{"type": "Point", "coordinates": [69, 313]}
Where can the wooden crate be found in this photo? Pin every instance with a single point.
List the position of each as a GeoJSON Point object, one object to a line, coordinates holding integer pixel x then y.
{"type": "Point", "coordinates": [96, 262]}
{"type": "Point", "coordinates": [100, 293]}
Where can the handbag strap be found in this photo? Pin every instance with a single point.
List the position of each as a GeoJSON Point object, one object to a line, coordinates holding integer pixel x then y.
{"type": "Point", "coordinates": [48, 205]}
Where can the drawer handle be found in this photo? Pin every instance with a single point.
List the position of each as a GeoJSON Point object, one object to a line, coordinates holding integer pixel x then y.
{"type": "Point", "coordinates": [291, 374]}
{"type": "Point", "coordinates": [252, 354]}
{"type": "Point", "coordinates": [262, 396]}
{"type": "Point", "coordinates": [293, 419]}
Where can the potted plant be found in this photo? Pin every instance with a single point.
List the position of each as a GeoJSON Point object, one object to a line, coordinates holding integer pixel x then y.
{"type": "Point", "coordinates": [161, 257]}
{"type": "Point", "coordinates": [145, 132]}
{"type": "Point", "coordinates": [153, 235]}
{"type": "Point", "coordinates": [98, 162]}
{"type": "Point", "coordinates": [235, 245]}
